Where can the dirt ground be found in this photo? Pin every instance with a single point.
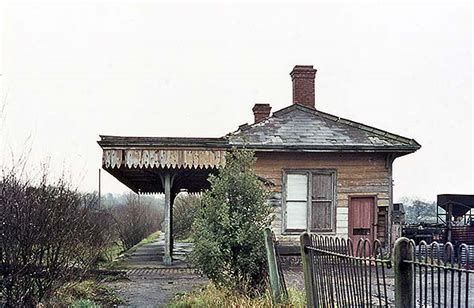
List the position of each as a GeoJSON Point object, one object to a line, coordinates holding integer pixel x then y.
{"type": "Point", "coordinates": [152, 284]}
{"type": "Point", "coordinates": [156, 287]}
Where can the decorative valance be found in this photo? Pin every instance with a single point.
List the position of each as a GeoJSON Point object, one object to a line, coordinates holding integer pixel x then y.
{"type": "Point", "coordinates": [162, 158]}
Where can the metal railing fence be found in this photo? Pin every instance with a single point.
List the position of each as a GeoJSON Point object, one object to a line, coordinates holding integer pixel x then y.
{"type": "Point", "coordinates": [441, 275]}
{"type": "Point", "coordinates": [339, 273]}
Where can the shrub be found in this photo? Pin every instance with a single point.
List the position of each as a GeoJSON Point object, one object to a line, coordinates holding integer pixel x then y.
{"type": "Point", "coordinates": [50, 234]}
{"type": "Point", "coordinates": [185, 209]}
{"type": "Point", "coordinates": [227, 233]}
{"type": "Point", "coordinates": [135, 219]}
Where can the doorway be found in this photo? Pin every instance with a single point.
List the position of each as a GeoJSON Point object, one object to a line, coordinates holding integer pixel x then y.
{"type": "Point", "coordinates": [361, 218]}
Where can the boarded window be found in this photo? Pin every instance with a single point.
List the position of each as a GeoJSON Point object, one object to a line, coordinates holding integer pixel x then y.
{"type": "Point", "coordinates": [319, 207]}
{"type": "Point", "coordinates": [296, 201]}
{"type": "Point", "coordinates": [322, 202]}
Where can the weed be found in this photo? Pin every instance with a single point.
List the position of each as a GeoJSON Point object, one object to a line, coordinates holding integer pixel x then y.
{"type": "Point", "coordinates": [87, 293]}
{"type": "Point", "coordinates": [211, 296]}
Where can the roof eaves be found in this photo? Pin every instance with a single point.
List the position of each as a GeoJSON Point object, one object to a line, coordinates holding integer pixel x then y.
{"type": "Point", "coordinates": [328, 148]}
{"type": "Point", "coordinates": [122, 141]}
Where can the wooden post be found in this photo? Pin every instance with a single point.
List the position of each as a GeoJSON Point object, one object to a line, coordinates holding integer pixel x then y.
{"type": "Point", "coordinates": [403, 250]}
{"type": "Point", "coordinates": [167, 258]}
{"type": "Point", "coordinates": [309, 286]}
{"type": "Point", "coordinates": [275, 282]}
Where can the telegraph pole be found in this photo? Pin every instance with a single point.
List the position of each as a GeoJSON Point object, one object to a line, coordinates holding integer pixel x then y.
{"type": "Point", "coordinates": [100, 196]}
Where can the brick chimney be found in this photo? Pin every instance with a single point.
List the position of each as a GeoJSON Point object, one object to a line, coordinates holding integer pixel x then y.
{"type": "Point", "coordinates": [261, 111]}
{"type": "Point", "coordinates": [303, 85]}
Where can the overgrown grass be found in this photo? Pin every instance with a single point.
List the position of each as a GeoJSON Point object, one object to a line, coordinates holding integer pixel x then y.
{"type": "Point", "coordinates": [87, 293]}
{"type": "Point", "coordinates": [150, 238]}
{"type": "Point", "coordinates": [84, 303]}
{"type": "Point", "coordinates": [119, 253]}
{"type": "Point", "coordinates": [210, 296]}
{"type": "Point", "coordinates": [108, 257]}
{"type": "Point", "coordinates": [184, 240]}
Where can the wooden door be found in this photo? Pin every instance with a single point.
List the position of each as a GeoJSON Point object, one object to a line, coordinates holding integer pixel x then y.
{"type": "Point", "coordinates": [361, 218]}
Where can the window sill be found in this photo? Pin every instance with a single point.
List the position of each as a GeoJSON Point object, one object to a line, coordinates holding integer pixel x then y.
{"type": "Point", "coordinates": [333, 233]}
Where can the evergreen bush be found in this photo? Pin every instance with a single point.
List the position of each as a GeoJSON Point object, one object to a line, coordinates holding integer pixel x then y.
{"type": "Point", "coordinates": [228, 230]}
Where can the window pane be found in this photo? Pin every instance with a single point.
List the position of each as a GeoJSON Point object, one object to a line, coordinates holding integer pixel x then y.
{"type": "Point", "coordinates": [296, 215]}
{"type": "Point", "coordinates": [297, 187]}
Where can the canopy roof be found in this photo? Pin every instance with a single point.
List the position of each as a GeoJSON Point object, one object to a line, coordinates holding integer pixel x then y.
{"type": "Point", "coordinates": [141, 167]}
{"type": "Point", "coordinates": [461, 204]}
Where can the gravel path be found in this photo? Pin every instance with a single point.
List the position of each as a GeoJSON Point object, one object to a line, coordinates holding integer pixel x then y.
{"type": "Point", "coordinates": [150, 283]}
{"type": "Point", "coordinates": [155, 288]}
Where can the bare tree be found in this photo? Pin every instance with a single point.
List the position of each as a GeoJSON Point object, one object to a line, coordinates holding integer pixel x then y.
{"type": "Point", "coordinates": [135, 219]}
{"type": "Point", "coordinates": [185, 208]}
{"type": "Point", "coordinates": [50, 234]}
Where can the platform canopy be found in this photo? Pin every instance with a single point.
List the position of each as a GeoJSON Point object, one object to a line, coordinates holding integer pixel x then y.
{"type": "Point", "coordinates": [141, 162]}
{"type": "Point", "coordinates": [163, 165]}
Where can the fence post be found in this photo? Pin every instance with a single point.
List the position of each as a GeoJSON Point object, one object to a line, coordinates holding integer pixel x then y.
{"type": "Point", "coordinates": [403, 250]}
{"type": "Point", "coordinates": [307, 269]}
{"type": "Point", "coordinates": [273, 267]}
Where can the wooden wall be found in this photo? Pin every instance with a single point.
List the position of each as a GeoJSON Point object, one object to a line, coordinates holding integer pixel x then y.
{"type": "Point", "coordinates": [356, 174]}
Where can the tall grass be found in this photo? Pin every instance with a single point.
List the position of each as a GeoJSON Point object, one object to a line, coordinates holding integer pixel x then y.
{"type": "Point", "coordinates": [211, 296]}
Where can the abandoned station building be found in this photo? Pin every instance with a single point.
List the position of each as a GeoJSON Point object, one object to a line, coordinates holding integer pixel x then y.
{"type": "Point", "coordinates": [327, 174]}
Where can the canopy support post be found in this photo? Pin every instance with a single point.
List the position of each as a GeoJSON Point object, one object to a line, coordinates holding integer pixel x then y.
{"type": "Point", "coordinates": [168, 256]}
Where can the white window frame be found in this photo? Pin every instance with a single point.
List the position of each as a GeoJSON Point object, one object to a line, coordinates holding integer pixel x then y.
{"type": "Point", "coordinates": [309, 175]}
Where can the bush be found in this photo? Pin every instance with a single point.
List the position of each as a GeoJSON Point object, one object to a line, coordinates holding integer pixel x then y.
{"type": "Point", "coordinates": [50, 234]}
{"type": "Point", "coordinates": [135, 219]}
{"type": "Point", "coordinates": [185, 209]}
{"type": "Point", "coordinates": [228, 230]}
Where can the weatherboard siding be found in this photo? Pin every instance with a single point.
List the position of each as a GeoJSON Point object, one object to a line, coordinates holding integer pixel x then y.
{"type": "Point", "coordinates": [356, 174]}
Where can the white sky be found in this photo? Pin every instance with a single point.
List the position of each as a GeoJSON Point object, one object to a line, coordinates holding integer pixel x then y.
{"type": "Point", "coordinates": [74, 70]}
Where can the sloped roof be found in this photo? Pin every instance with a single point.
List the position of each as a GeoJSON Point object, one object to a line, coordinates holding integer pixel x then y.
{"type": "Point", "coordinates": [301, 128]}
{"type": "Point", "coordinates": [294, 128]}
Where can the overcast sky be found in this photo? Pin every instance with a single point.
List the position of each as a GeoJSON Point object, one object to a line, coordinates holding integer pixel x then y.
{"type": "Point", "coordinates": [74, 70]}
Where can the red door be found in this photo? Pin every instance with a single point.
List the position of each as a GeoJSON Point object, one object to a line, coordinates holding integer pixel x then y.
{"type": "Point", "coordinates": [361, 219]}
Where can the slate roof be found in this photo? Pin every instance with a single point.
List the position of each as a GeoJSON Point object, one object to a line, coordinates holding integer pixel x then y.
{"type": "Point", "coordinates": [294, 128]}
{"type": "Point", "coordinates": [300, 128]}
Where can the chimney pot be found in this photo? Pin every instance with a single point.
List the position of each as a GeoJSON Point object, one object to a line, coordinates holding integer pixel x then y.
{"type": "Point", "coordinates": [261, 111]}
{"type": "Point", "coordinates": [303, 85]}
